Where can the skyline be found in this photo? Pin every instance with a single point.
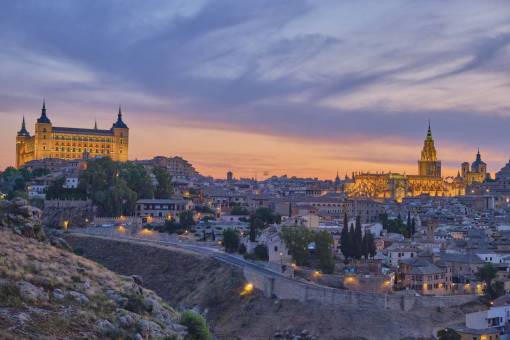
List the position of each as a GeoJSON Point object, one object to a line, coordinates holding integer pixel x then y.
{"type": "Point", "coordinates": [317, 88]}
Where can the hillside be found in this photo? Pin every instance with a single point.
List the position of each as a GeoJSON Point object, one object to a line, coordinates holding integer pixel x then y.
{"type": "Point", "coordinates": [49, 293]}
{"type": "Point", "coordinates": [193, 281]}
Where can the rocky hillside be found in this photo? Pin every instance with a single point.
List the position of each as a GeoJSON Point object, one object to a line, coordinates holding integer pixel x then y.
{"type": "Point", "coordinates": [49, 293]}
{"type": "Point", "coordinates": [201, 283]}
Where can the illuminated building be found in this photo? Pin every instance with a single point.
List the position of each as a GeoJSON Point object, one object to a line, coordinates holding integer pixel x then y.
{"type": "Point", "coordinates": [67, 143]}
{"type": "Point", "coordinates": [398, 186]}
{"type": "Point", "coordinates": [477, 173]}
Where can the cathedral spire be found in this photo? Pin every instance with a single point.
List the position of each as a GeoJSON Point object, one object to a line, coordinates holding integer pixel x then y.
{"type": "Point", "coordinates": [429, 132]}
{"type": "Point", "coordinates": [95, 124]}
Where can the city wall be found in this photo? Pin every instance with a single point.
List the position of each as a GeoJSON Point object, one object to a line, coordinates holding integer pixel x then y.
{"type": "Point", "coordinates": [285, 288]}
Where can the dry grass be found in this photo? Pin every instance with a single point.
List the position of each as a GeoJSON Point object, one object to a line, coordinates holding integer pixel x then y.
{"type": "Point", "coordinates": [50, 268]}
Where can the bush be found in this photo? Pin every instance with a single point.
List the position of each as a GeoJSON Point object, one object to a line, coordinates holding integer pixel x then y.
{"type": "Point", "coordinates": [197, 327]}
{"type": "Point", "coordinates": [231, 240]}
{"type": "Point", "coordinates": [261, 252]}
{"type": "Point", "coordinates": [242, 249]}
{"type": "Point", "coordinates": [135, 304]}
{"type": "Point", "coordinates": [9, 295]}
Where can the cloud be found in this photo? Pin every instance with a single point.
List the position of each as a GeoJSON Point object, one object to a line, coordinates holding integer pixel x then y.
{"type": "Point", "coordinates": [323, 71]}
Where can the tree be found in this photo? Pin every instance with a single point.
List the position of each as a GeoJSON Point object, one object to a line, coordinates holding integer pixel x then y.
{"type": "Point", "coordinates": [242, 248]}
{"type": "Point", "coordinates": [344, 238]}
{"type": "Point", "coordinates": [448, 334]}
{"type": "Point", "coordinates": [267, 216]}
{"type": "Point", "coordinates": [370, 244]}
{"type": "Point", "coordinates": [261, 252]}
{"type": "Point", "coordinates": [358, 239]}
{"type": "Point", "coordinates": [237, 210]}
{"type": "Point", "coordinates": [230, 240]}
{"type": "Point", "coordinates": [409, 226]}
{"type": "Point", "coordinates": [255, 224]}
{"type": "Point", "coordinates": [164, 187]}
{"type": "Point", "coordinates": [297, 240]}
{"type": "Point", "coordinates": [323, 248]}
{"type": "Point", "coordinates": [196, 325]}
{"type": "Point", "coordinates": [413, 226]}
{"type": "Point", "coordinates": [487, 273]}
{"type": "Point", "coordinates": [186, 219]}
{"type": "Point", "coordinates": [351, 242]}
{"type": "Point", "coordinates": [364, 245]}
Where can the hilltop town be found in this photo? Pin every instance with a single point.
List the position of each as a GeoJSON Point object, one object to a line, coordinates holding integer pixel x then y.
{"type": "Point", "coordinates": [390, 241]}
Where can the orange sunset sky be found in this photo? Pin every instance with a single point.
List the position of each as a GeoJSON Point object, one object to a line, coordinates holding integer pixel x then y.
{"type": "Point", "coordinates": [304, 88]}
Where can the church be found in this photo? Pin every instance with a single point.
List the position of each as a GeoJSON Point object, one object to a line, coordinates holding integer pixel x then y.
{"type": "Point", "coordinates": [397, 186]}
{"type": "Point", "coordinates": [68, 143]}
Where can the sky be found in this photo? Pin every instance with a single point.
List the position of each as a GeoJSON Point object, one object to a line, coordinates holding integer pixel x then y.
{"type": "Point", "coordinates": [266, 87]}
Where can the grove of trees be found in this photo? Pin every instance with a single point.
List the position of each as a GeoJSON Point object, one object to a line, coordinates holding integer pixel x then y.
{"type": "Point", "coordinates": [298, 241]}
{"type": "Point", "coordinates": [354, 244]}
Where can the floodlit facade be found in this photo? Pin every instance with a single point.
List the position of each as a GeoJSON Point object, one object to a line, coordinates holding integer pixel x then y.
{"type": "Point", "coordinates": [67, 143]}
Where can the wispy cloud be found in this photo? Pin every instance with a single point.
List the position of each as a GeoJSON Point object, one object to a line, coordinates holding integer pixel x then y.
{"type": "Point", "coordinates": [323, 71]}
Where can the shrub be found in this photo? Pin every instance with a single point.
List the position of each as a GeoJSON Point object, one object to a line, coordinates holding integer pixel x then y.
{"type": "Point", "coordinates": [242, 249]}
{"type": "Point", "coordinates": [135, 304]}
{"type": "Point", "coordinates": [231, 240]}
{"type": "Point", "coordinates": [197, 327]}
{"type": "Point", "coordinates": [9, 295]}
{"type": "Point", "coordinates": [261, 252]}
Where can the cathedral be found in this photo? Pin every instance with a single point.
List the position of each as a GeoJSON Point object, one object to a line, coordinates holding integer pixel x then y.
{"type": "Point", "coordinates": [51, 141]}
{"type": "Point", "coordinates": [396, 186]}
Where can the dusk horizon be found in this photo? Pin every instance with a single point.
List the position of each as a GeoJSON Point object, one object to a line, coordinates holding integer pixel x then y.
{"type": "Point", "coordinates": [292, 87]}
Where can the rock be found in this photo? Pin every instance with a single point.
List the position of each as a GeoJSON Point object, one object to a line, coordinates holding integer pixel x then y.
{"type": "Point", "coordinates": [150, 329]}
{"type": "Point", "coordinates": [82, 299]}
{"type": "Point", "coordinates": [138, 337]}
{"type": "Point", "coordinates": [304, 332]}
{"type": "Point", "coordinates": [104, 326]}
{"type": "Point", "coordinates": [60, 243]}
{"type": "Point", "coordinates": [28, 211]}
{"type": "Point", "coordinates": [137, 279]}
{"type": "Point", "coordinates": [5, 204]}
{"type": "Point", "coordinates": [118, 299]}
{"type": "Point", "coordinates": [19, 202]}
{"type": "Point", "coordinates": [30, 293]}
{"type": "Point", "coordinates": [126, 319]}
{"type": "Point", "coordinates": [58, 295]}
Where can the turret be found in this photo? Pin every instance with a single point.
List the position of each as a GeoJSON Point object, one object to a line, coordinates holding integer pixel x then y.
{"type": "Point", "coordinates": [23, 131]}
{"type": "Point", "coordinates": [43, 135]}
{"type": "Point", "coordinates": [121, 138]}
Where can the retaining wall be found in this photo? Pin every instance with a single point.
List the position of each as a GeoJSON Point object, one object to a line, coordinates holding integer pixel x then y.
{"type": "Point", "coordinates": [284, 288]}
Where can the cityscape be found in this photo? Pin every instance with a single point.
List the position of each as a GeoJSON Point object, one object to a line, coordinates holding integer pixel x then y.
{"type": "Point", "coordinates": [204, 170]}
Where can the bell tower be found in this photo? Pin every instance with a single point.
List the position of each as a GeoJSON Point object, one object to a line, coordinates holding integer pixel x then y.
{"type": "Point", "coordinates": [428, 165]}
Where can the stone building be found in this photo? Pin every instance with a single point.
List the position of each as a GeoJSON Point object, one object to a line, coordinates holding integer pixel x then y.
{"type": "Point", "coordinates": [68, 143]}
{"type": "Point", "coordinates": [398, 186]}
{"type": "Point", "coordinates": [477, 173]}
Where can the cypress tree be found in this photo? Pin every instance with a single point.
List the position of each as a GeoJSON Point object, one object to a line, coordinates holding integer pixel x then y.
{"type": "Point", "coordinates": [408, 225]}
{"type": "Point", "coordinates": [413, 226]}
{"type": "Point", "coordinates": [364, 245]}
{"type": "Point", "coordinates": [351, 243]}
{"type": "Point", "coordinates": [371, 248]}
{"type": "Point", "coordinates": [358, 238]}
{"type": "Point", "coordinates": [344, 238]}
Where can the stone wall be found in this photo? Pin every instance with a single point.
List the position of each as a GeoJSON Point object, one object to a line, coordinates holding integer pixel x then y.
{"type": "Point", "coordinates": [285, 288]}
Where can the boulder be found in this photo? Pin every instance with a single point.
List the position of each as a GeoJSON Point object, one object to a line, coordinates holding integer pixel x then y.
{"type": "Point", "coordinates": [105, 326]}
{"type": "Point", "coordinates": [82, 299]}
{"type": "Point", "coordinates": [137, 279]}
{"type": "Point", "coordinates": [30, 293]}
{"type": "Point", "coordinates": [60, 243]}
{"type": "Point", "coordinates": [150, 329]}
{"type": "Point", "coordinates": [58, 295]}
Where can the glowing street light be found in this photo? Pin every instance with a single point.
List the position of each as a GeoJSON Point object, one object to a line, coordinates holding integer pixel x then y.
{"type": "Point", "coordinates": [66, 224]}
{"type": "Point", "coordinates": [247, 289]}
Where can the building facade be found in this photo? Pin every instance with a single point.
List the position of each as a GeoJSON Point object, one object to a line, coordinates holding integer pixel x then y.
{"type": "Point", "coordinates": [477, 173]}
{"type": "Point", "coordinates": [398, 186]}
{"type": "Point", "coordinates": [67, 143]}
